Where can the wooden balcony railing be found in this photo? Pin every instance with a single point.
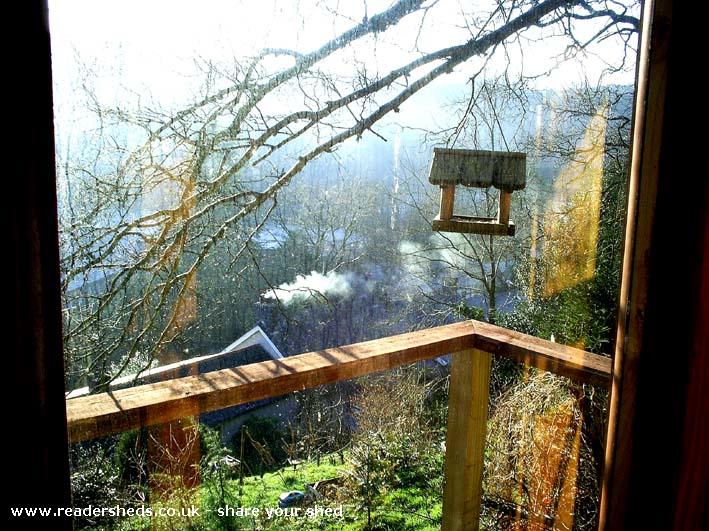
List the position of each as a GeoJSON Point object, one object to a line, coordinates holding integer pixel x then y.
{"type": "Point", "coordinates": [471, 342]}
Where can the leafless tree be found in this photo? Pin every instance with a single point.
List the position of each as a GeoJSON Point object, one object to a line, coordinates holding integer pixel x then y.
{"type": "Point", "coordinates": [204, 180]}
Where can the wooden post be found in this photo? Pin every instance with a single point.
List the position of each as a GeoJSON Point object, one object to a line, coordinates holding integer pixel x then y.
{"type": "Point", "coordinates": [173, 448]}
{"type": "Point", "coordinates": [465, 439]}
{"type": "Point", "coordinates": [447, 200]}
{"type": "Point", "coordinates": [503, 213]}
{"type": "Point", "coordinates": [173, 457]}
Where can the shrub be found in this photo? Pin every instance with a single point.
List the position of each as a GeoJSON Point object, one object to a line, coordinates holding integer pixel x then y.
{"type": "Point", "coordinates": [397, 443]}
{"type": "Point", "coordinates": [95, 481]}
{"type": "Point", "coordinates": [264, 445]}
{"type": "Point", "coordinates": [541, 463]}
{"type": "Point", "coordinates": [130, 458]}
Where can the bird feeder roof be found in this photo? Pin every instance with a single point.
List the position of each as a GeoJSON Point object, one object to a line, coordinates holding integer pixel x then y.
{"type": "Point", "coordinates": [505, 170]}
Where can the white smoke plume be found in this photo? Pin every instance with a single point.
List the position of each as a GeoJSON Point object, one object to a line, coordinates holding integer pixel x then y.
{"type": "Point", "coordinates": [453, 250]}
{"type": "Point", "coordinates": [416, 266]}
{"type": "Point", "coordinates": [314, 285]}
{"type": "Point", "coordinates": [415, 258]}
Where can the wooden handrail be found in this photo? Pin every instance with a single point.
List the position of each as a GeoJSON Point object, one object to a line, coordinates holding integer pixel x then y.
{"type": "Point", "coordinates": [113, 412]}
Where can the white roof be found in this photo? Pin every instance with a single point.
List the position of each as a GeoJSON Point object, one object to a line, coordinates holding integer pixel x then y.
{"type": "Point", "coordinates": [255, 336]}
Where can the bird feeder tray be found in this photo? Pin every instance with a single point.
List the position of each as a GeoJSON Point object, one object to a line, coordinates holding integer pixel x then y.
{"type": "Point", "coordinates": [503, 170]}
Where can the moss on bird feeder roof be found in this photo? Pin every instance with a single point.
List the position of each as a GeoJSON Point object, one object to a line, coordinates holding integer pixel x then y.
{"type": "Point", "coordinates": [505, 170]}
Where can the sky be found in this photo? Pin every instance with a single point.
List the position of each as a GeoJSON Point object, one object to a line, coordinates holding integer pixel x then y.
{"type": "Point", "coordinates": [150, 51]}
{"type": "Point", "coordinates": [147, 38]}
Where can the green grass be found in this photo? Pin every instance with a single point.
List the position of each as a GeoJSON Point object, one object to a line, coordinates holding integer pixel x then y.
{"type": "Point", "coordinates": [405, 508]}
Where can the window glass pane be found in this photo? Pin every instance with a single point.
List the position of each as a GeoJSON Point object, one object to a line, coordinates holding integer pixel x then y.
{"type": "Point", "coordinates": [246, 181]}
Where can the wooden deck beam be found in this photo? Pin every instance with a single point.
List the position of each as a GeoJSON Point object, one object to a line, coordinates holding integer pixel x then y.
{"type": "Point", "coordinates": [107, 413]}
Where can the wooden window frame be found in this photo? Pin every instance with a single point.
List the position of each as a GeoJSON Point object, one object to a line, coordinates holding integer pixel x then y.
{"type": "Point", "coordinates": [658, 413]}
{"type": "Point", "coordinates": [657, 464]}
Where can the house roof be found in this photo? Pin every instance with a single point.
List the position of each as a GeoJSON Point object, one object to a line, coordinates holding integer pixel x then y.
{"type": "Point", "coordinates": [505, 170]}
{"type": "Point", "coordinates": [252, 347]}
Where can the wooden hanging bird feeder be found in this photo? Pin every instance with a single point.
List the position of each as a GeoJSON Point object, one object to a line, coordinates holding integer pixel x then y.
{"type": "Point", "coordinates": [504, 170]}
